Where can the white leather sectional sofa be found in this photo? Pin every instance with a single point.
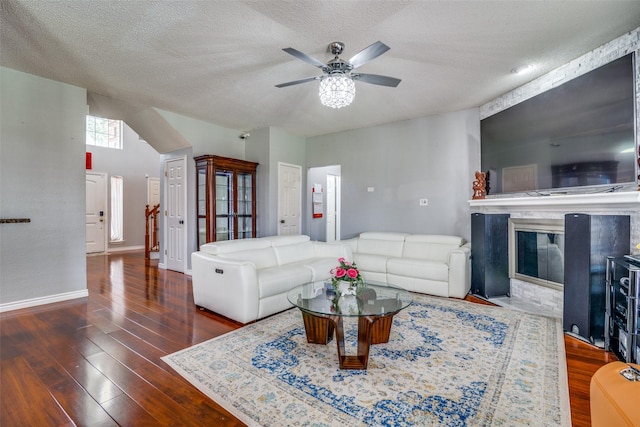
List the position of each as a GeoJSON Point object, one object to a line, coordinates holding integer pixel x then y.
{"type": "Point", "coordinates": [430, 264]}
{"type": "Point", "coordinates": [248, 279]}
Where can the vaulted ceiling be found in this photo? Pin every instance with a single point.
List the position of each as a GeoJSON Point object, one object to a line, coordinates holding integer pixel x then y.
{"type": "Point", "coordinates": [219, 61]}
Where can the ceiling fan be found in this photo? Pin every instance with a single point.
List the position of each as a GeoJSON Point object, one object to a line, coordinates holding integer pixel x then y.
{"type": "Point", "coordinates": [336, 84]}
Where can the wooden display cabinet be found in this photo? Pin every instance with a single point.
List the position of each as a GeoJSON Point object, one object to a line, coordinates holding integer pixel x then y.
{"type": "Point", "coordinates": [226, 198]}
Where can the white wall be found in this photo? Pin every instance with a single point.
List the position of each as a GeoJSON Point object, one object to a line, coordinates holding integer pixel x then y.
{"type": "Point", "coordinates": [257, 149]}
{"type": "Point", "coordinates": [42, 177]}
{"type": "Point", "coordinates": [430, 157]}
{"type": "Point", "coordinates": [282, 147]}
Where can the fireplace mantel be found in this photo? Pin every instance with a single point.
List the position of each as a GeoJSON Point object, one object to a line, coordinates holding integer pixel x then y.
{"type": "Point", "coordinates": [600, 202]}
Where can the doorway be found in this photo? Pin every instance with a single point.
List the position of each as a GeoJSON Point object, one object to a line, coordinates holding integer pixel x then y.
{"type": "Point", "coordinates": [328, 180]}
{"type": "Point", "coordinates": [96, 212]}
{"type": "Point", "coordinates": [175, 228]}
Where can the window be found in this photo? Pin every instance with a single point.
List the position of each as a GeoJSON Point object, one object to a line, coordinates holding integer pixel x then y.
{"type": "Point", "coordinates": [116, 209]}
{"type": "Point", "coordinates": [104, 132]}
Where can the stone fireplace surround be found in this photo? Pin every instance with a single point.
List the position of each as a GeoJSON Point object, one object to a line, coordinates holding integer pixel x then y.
{"type": "Point", "coordinates": [541, 300]}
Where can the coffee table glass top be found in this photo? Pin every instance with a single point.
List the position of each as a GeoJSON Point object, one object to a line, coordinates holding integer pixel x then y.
{"type": "Point", "coordinates": [376, 299]}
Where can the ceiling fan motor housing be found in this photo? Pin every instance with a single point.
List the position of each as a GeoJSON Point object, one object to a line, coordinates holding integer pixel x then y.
{"type": "Point", "coordinates": [337, 65]}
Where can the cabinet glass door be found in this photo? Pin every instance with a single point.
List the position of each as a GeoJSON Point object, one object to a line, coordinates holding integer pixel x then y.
{"type": "Point", "coordinates": [245, 203]}
{"type": "Point", "coordinates": [224, 205]}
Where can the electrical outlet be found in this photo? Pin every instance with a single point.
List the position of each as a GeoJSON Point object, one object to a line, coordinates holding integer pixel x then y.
{"type": "Point", "coordinates": [424, 202]}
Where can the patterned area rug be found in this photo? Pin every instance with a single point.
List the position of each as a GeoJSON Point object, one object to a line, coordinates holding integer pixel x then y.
{"type": "Point", "coordinates": [447, 363]}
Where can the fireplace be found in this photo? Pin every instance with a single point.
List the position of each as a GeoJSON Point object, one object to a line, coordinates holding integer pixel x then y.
{"type": "Point", "coordinates": [536, 251]}
{"type": "Point", "coordinates": [548, 298]}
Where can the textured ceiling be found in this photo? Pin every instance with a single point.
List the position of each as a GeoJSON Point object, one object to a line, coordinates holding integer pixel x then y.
{"type": "Point", "coordinates": [219, 60]}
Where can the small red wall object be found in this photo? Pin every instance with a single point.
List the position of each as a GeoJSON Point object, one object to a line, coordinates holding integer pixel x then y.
{"type": "Point", "coordinates": [88, 160]}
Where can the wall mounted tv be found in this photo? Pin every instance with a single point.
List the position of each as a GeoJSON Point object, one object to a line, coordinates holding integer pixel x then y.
{"type": "Point", "coordinates": [578, 134]}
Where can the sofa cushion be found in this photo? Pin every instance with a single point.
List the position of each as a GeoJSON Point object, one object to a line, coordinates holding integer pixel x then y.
{"type": "Point", "coordinates": [280, 279]}
{"type": "Point", "coordinates": [430, 247]}
{"type": "Point", "coordinates": [294, 253]}
{"type": "Point", "coordinates": [381, 243]}
{"type": "Point", "coordinates": [369, 262]}
{"type": "Point", "coordinates": [261, 258]}
{"type": "Point", "coordinates": [420, 269]}
{"type": "Point", "coordinates": [229, 246]}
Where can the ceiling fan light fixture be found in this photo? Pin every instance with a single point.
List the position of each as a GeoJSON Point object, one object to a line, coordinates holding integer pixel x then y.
{"type": "Point", "coordinates": [337, 90]}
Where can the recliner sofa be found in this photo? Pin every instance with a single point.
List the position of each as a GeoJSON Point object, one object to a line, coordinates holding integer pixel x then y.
{"type": "Point", "coordinates": [248, 279]}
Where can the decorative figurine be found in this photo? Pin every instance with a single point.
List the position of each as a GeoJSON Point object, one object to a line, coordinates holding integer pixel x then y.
{"type": "Point", "coordinates": [479, 191]}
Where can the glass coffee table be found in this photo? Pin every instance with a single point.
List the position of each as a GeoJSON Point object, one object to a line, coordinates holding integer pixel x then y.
{"type": "Point", "coordinates": [323, 311]}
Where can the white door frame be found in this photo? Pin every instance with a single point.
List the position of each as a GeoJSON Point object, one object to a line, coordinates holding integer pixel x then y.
{"type": "Point", "coordinates": [105, 203]}
{"type": "Point", "coordinates": [163, 202]}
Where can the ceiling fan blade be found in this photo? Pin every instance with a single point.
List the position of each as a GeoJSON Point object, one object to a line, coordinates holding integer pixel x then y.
{"type": "Point", "coordinates": [375, 79]}
{"type": "Point", "coordinates": [304, 57]}
{"type": "Point", "coordinates": [297, 82]}
{"type": "Point", "coordinates": [367, 54]}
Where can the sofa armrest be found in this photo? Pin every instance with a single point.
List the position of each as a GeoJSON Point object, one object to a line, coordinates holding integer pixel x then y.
{"type": "Point", "coordinates": [460, 271]}
{"type": "Point", "coordinates": [227, 287]}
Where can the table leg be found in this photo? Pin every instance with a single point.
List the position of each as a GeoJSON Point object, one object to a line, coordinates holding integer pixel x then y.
{"type": "Point", "coordinates": [371, 330]}
{"type": "Point", "coordinates": [381, 329]}
{"type": "Point", "coordinates": [365, 332]}
{"type": "Point", "coordinates": [319, 329]}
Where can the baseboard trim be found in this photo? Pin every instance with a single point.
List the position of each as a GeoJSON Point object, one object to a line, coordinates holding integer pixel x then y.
{"type": "Point", "coordinates": [115, 249]}
{"type": "Point", "coordinates": [33, 302]}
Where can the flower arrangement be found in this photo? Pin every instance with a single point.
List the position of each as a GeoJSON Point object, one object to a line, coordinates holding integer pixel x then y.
{"type": "Point", "coordinates": [346, 271]}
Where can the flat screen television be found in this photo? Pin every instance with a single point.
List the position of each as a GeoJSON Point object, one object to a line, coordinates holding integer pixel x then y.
{"type": "Point", "coordinates": [578, 134]}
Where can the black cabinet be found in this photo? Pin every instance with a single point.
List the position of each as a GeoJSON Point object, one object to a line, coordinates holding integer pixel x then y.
{"type": "Point", "coordinates": [622, 325]}
{"type": "Point", "coordinates": [623, 309]}
{"type": "Point", "coordinates": [589, 239]}
{"type": "Point", "coordinates": [490, 254]}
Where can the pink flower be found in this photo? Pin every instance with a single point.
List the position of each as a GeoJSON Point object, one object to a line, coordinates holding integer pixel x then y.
{"type": "Point", "coordinates": [341, 260]}
{"type": "Point", "coordinates": [352, 273]}
{"type": "Point", "coordinates": [340, 272]}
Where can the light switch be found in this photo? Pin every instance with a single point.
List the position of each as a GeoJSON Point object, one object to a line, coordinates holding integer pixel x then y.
{"type": "Point", "coordinates": [424, 202]}
{"type": "Point", "coordinates": [370, 189]}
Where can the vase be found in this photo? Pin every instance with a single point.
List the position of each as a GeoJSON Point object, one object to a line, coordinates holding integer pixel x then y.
{"type": "Point", "coordinates": [346, 288]}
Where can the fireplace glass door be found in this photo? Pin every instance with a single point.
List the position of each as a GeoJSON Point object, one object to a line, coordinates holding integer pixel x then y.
{"type": "Point", "coordinates": [536, 251]}
{"type": "Point", "coordinates": [540, 255]}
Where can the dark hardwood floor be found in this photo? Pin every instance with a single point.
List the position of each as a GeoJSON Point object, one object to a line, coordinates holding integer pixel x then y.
{"type": "Point", "coordinates": [96, 361]}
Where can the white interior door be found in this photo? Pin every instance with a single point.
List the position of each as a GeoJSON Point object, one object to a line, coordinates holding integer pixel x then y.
{"type": "Point", "coordinates": [289, 199]}
{"type": "Point", "coordinates": [331, 208]}
{"type": "Point", "coordinates": [175, 221]}
{"type": "Point", "coordinates": [96, 212]}
{"type": "Point", "coordinates": [153, 192]}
